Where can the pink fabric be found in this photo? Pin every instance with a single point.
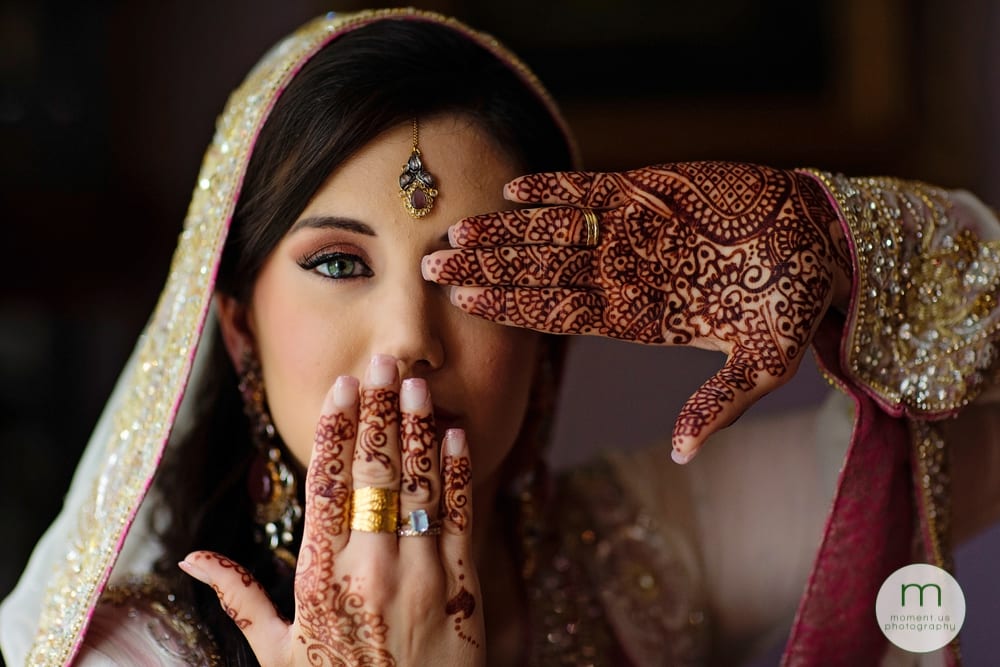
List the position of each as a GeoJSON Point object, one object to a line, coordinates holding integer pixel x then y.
{"type": "Point", "coordinates": [867, 536]}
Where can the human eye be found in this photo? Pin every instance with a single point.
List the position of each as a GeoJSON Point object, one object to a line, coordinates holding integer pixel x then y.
{"type": "Point", "coordinates": [336, 265]}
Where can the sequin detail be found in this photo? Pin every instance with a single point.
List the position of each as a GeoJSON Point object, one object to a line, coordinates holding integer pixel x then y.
{"type": "Point", "coordinates": [609, 587]}
{"type": "Point", "coordinates": [923, 328]}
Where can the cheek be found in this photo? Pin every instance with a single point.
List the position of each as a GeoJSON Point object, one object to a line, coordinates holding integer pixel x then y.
{"type": "Point", "coordinates": [302, 350]}
{"type": "Point", "coordinates": [500, 385]}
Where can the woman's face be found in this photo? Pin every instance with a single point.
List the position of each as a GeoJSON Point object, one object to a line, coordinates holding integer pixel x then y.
{"type": "Point", "coordinates": [345, 284]}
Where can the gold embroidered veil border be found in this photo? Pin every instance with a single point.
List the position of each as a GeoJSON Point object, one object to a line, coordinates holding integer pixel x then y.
{"type": "Point", "coordinates": [77, 554]}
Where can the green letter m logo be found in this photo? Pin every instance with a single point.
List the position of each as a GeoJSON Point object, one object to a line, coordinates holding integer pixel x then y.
{"type": "Point", "coordinates": [921, 589]}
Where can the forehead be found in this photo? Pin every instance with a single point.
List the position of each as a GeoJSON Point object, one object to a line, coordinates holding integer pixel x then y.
{"type": "Point", "coordinates": [468, 167]}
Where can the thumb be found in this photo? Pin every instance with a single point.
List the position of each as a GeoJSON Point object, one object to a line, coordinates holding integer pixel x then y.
{"type": "Point", "coordinates": [245, 601]}
{"type": "Point", "coordinates": [719, 402]}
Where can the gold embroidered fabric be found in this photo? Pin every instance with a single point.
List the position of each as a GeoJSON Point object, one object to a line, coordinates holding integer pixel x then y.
{"type": "Point", "coordinates": [922, 331]}
{"type": "Point", "coordinates": [610, 587]}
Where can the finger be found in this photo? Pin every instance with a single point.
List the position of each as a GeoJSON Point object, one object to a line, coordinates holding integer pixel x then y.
{"type": "Point", "coordinates": [244, 600]}
{"type": "Point", "coordinates": [548, 309]}
{"type": "Point", "coordinates": [576, 188]}
{"type": "Point", "coordinates": [376, 453]}
{"type": "Point", "coordinates": [377, 457]}
{"type": "Point", "coordinates": [456, 499]}
{"type": "Point", "coordinates": [463, 605]}
{"type": "Point", "coordinates": [328, 479]}
{"type": "Point", "coordinates": [524, 266]}
{"type": "Point", "coordinates": [720, 402]}
{"type": "Point", "coordinates": [552, 225]}
{"type": "Point", "coordinates": [420, 489]}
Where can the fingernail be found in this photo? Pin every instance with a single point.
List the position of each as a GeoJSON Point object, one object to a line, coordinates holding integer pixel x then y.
{"type": "Point", "coordinates": [413, 394]}
{"type": "Point", "coordinates": [345, 392]}
{"type": "Point", "coordinates": [454, 438]}
{"type": "Point", "coordinates": [382, 371]}
{"type": "Point", "coordinates": [452, 235]}
{"type": "Point", "coordinates": [427, 264]}
{"type": "Point", "coordinates": [194, 570]}
{"type": "Point", "coordinates": [681, 457]}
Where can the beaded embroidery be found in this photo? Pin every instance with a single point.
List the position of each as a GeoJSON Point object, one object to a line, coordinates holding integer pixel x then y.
{"type": "Point", "coordinates": [608, 582]}
{"type": "Point", "coordinates": [925, 316]}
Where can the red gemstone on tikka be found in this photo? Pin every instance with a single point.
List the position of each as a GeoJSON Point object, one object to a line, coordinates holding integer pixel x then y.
{"type": "Point", "coordinates": [418, 199]}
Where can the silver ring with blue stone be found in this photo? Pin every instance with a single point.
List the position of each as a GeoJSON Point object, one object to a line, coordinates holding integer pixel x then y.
{"type": "Point", "coordinates": [418, 525]}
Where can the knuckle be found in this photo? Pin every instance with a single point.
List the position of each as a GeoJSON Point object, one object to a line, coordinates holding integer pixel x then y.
{"type": "Point", "coordinates": [418, 492]}
{"type": "Point", "coordinates": [367, 474]}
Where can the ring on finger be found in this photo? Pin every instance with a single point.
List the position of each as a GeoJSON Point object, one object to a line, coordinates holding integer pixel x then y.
{"type": "Point", "coordinates": [418, 525]}
{"type": "Point", "coordinates": [374, 510]}
{"type": "Point", "coordinates": [593, 226]}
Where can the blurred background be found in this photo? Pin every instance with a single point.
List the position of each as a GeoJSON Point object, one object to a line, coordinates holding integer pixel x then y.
{"type": "Point", "coordinates": [106, 107]}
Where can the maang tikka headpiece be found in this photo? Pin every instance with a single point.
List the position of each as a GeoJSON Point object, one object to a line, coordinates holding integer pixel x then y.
{"type": "Point", "coordinates": [416, 185]}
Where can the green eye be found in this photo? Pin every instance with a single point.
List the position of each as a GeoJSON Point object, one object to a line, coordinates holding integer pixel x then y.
{"type": "Point", "coordinates": [338, 266]}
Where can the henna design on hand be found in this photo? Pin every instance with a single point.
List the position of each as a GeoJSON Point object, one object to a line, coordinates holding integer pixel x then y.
{"type": "Point", "coordinates": [417, 438]}
{"type": "Point", "coordinates": [328, 500]}
{"type": "Point", "coordinates": [246, 578]}
{"type": "Point", "coordinates": [343, 633]}
{"type": "Point", "coordinates": [335, 627]}
{"type": "Point", "coordinates": [462, 606]}
{"type": "Point", "coordinates": [241, 623]}
{"type": "Point", "coordinates": [457, 475]}
{"type": "Point", "coordinates": [379, 412]}
{"type": "Point", "coordinates": [727, 256]}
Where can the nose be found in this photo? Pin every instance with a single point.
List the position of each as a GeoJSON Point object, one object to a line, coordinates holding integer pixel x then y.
{"type": "Point", "coordinates": [410, 327]}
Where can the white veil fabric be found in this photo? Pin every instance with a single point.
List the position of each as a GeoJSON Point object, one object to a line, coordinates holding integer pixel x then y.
{"type": "Point", "coordinates": [102, 527]}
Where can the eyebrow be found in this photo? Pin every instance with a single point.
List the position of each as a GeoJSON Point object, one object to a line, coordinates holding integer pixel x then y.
{"type": "Point", "coordinates": [333, 222]}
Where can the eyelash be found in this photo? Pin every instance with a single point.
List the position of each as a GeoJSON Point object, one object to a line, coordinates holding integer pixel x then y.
{"type": "Point", "coordinates": [314, 262]}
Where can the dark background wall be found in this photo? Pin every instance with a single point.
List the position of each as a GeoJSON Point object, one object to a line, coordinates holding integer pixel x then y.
{"type": "Point", "coordinates": [106, 107]}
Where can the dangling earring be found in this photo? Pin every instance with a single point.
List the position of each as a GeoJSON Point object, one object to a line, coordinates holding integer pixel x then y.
{"type": "Point", "coordinates": [270, 482]}
{"type": "Point", "coordinates": [530, 479]}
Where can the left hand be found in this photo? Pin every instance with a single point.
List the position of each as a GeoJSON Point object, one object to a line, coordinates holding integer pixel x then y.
{"type": "Point", "coordinates": [739, 258]}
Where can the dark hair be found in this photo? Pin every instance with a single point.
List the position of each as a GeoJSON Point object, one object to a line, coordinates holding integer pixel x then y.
{"type": "Point", "coordinates": [363, 83]}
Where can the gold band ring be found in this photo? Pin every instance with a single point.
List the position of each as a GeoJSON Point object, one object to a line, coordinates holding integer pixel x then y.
{"type": "Point", "coordinates": [593, 229]}
{"type": "Point", "coordinates": [374, 510]}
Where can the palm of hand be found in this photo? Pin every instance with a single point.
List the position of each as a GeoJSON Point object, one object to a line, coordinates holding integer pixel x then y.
{"type": "Point", "coordinates": [734, 257]}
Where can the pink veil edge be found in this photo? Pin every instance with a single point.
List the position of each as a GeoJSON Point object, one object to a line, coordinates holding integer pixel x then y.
{"type": "Point", "coordinates": [44, 620]}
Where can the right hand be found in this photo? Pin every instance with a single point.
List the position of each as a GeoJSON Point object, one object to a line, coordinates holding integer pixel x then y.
{"type": "Point", "coordinates": [740, 258]}
{"type": "Point", "coordinates": [360, 597]}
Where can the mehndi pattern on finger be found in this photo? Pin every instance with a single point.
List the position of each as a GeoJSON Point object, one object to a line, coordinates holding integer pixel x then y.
{"type": "Point", "coordinates": [417, 436]}
{"type": "Point", "coordinates": [462, 606]}
{"type": "Point", "coordinates": [327, 508]}
{"type": "Point", "coordinates": [241, 622]}
{"type": "Point", "coordinates": [379, 412]}
{"type": "Point", "coordinates": [457, 476]}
